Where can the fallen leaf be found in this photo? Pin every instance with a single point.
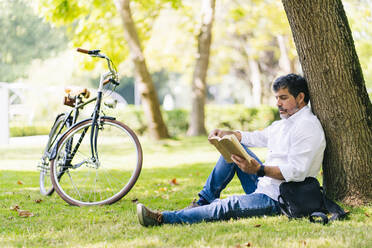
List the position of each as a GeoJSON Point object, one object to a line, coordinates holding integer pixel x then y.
{"type": "Point", "coordinates": [38, 200]}
{"type": "Point", "coordinates": [19, 182]}
{"type": "Point", "coordinates": [248, 244]}
{"type": "Point", "coordinates": [303, 242]}
{"type": "Point", "coordinates": [15, 208]}
{"type": "Point", "coordinates": [25, 213]}
{"type": "Point", "coordinates": [163, 189]}
{"type": "Point", "coordinates": [237, 246]}
{"type": "Point", "coordinates": [173, 182]}
{"type": "Point", "coordinates": [257, 225]}
{"type": "Point", "coordinates": [366, 214]}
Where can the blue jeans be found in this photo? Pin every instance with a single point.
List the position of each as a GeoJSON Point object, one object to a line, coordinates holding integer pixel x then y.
{"type": "Point", "coordinates": [238, 206]}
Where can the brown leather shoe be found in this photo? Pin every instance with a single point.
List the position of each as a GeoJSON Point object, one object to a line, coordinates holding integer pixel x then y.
{"type": "Point", "coordinates": [147, 217]}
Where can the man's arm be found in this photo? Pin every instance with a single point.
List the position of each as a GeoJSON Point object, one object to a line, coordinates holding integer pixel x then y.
{"type": "Point", "coordinates": [254, 166]}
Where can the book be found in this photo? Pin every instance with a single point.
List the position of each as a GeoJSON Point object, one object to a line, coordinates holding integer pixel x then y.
{"type": "Point", "coordinates": [228, 145]}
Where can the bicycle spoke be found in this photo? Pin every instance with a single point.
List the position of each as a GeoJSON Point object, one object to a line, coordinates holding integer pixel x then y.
{"type": "Point", "coordinates": [68, 173]}
{"type": "Point", "coordinates": [107, 180]}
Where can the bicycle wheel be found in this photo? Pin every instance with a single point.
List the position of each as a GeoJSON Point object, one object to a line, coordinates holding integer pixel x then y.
{"type": "Point", "coordinates": [46, 186]}
{"type": "Point", "coordinates": [104, 181]}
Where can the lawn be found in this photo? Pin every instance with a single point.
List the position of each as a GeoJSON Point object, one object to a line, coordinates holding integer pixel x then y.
{"type": "Point", "coordinates": [186, 161]}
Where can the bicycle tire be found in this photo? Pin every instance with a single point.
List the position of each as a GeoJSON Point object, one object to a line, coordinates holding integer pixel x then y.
{"type": "Point", "coordinates": [104, 182]}
{"type": "Point", "coordinates": [46, 186]}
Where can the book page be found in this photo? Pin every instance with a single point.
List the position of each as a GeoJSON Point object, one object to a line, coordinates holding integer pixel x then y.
{"type": "Point", "coordinates": [228, 145]}
{"type": "Point", "coordinates": [226, 154]}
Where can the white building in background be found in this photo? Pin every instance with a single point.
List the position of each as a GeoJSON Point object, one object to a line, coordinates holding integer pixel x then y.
{"type": "Point", "coordinates": [4, 114]}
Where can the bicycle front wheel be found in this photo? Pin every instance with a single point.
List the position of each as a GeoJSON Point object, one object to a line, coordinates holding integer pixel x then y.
{"type": "Point", "coordinates": [104, 181]}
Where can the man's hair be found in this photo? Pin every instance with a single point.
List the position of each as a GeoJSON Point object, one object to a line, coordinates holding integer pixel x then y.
{"type": "Point", "coordinates": [294, 83]}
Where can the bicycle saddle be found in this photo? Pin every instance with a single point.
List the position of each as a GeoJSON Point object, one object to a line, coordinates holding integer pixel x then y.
{"type": "Point", "coordinates": [73, 91]}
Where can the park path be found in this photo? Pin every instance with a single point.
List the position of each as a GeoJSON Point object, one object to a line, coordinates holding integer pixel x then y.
{"type": "Point", "coordinates": [22, 153]}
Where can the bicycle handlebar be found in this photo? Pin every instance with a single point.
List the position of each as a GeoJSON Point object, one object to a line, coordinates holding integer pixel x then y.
{"type": "Point", "coordinates": [90, 52]}
{"type": "Point", "coordinates": [96, 53]}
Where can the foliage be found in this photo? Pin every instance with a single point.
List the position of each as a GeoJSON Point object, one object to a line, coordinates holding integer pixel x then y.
{"type": "Point", "coordinates": [23, 38]}
{"type": "Point", "coordinates": [227, 117]}
{"type": "Point", "coordinates": [96, 24]}
{"type": "Point", "coordinates": [359, 14]}
{"type": "Point", "coordinates": [187, 161]}
{"type": "Point", "coordinates": [25, 130]}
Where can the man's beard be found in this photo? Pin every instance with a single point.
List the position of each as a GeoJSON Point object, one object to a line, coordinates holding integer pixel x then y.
{"type": "Point", "coordinates": [287, 115]}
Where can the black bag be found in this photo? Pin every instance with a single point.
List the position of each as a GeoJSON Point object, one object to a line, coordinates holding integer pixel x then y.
{"type": "Point", "coordinates": [306, 198]}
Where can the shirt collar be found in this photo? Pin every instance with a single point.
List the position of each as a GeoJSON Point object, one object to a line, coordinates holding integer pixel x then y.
{"type": "Point", "coordinates": [297, 115]}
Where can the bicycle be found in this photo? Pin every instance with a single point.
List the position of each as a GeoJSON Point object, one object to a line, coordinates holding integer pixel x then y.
{"type": "Point", "coordinates": [94, 161]}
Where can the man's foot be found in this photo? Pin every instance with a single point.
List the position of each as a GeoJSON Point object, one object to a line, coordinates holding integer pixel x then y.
{"type": "Point", "coordinates": [147, 217]}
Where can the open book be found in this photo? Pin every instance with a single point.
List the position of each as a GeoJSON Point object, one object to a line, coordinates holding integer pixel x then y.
{"type": "Point", "coordinates": [228, 145]}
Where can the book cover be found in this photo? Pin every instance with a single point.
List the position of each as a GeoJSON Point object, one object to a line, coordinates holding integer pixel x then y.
{"type": "Point", "coordinates": [228, 145]}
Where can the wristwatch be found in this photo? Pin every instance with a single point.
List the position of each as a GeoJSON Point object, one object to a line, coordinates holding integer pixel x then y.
{"type": "Point", "coordinates": [261, 171]}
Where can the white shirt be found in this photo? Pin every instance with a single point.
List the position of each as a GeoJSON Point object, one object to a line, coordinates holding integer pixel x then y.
{"type": "Point", "coordinates": [296, 145]}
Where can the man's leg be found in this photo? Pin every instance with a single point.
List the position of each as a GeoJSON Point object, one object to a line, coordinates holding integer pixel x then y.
{"type": "Point", "coordinates": [240, 206]}
{"type": "Point", "coordinates": [221, 175]}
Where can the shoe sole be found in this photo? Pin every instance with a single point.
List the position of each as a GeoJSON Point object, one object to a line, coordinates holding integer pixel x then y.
{"type": "Point", "coordinates": [140, 214]}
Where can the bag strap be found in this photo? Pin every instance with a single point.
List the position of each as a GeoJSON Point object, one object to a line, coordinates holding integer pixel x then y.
{"type": "Point", "coordinates": [333, 208]}
{"type": "Point", "coordinates": [283, 205]}
{"type": "Point", "coordinates": [320, 215]}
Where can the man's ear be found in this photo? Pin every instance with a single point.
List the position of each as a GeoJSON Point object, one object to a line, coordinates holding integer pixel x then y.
{"type": "Point", "coordinates": [300, 97]}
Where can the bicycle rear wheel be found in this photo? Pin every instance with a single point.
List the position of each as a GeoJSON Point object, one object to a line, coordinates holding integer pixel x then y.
{"type": "Point", "coordinates": [105, 181]}
{"type": "Point", "coordinates": [46, 186]}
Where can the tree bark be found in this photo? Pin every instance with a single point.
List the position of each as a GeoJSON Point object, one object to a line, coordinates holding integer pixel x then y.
{"type": "Point", "coordinates": [199, 85]}
{"type": "Point", "coordinates": [338, 95]}
{"type": "Point", "coordinates": [150, 102]}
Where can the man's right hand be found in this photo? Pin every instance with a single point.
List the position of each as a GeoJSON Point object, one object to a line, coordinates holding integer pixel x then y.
{"type": "Point", "coordinates": [220, 133]}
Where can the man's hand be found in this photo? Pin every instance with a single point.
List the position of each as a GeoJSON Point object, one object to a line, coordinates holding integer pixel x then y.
{"type": "Point", "coordinates": [247, 167]}
{"type": "Point", "coordinates": [221, 133]}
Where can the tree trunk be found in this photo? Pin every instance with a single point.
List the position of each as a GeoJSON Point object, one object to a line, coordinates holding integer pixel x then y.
{"type": "Point", "coordinates": [199, 85]}
{"type": "Point", "coordinates": [256, 82]}
{"type": "Point", "coordinates": [338, 95]}
{"type": "Point", "coordinates": [150, 102]}
{"type": "Point", "coordinates": [284, 61]}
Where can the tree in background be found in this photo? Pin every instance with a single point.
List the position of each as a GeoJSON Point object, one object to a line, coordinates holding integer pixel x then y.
{"type": "Point", "coordinates": [157, 127]}
{"type": "Point", "coordinates": [96, 23]}
{"type": "Point", "coordinates": [338, 95]}
{"type": "Point", "coordinates": [199, 84]}
{"type": "Point", "coordinates": [254, 47]}
{"type": "Point", "coordinates": [23, 38]}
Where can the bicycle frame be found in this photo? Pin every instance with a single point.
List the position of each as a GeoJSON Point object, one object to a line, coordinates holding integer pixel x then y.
{"type": "Point", "coordinates": [95, 118]}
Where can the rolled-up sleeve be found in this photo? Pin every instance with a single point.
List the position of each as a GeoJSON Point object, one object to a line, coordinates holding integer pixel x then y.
{"type": "Point", "coordinates": [255, 138]}
{"type": "Point", "coordinates": [305, 146]}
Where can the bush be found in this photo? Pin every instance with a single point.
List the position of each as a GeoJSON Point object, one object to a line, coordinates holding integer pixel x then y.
{"type": "Point", "coordinates": [233, 117]}
{"type": "Point", "coordinates": [239, 117]}
{"type": "Point", "coordinates": [227, 117]}
{"type": "Point", "coordinates": [16, 131]}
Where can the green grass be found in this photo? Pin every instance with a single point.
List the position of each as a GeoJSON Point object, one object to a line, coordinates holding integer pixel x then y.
{"type": "Point", "coordinates": [189, 161]}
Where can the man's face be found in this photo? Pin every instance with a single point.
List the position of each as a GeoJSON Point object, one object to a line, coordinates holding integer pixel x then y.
{"type": "Point", "coordinates": [287, 104]}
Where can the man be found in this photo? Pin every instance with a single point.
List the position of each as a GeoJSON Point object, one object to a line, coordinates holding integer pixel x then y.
{"type": "Point", "coordinates": [295, 145]}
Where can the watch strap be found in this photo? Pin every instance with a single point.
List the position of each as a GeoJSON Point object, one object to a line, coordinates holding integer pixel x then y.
{"type": "Point", "coordinates": [261, 171]}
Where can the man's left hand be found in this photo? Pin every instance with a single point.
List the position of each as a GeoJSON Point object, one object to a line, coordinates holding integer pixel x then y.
{"type": "Point", "coordinates": [246, 166]}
